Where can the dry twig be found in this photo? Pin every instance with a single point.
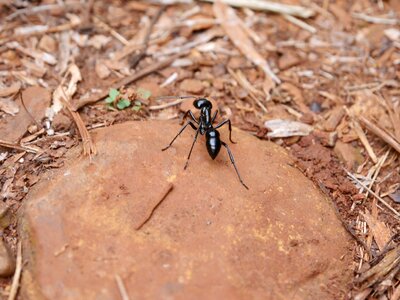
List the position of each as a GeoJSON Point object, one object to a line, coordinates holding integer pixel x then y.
{"type": "Point", "coordinates": [381, 133]}
{"type": "Point", "coordinates": [9, 145]}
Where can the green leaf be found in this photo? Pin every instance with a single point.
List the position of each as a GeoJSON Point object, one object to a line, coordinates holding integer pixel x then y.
{"type": "Point", "coordinates": [138, 105]}
{"type": "Point", "coordinates": [109, 100]}
{"type": "Point", "coordinates": [113, 93]}
{"type": "Point", "coordinates": [123, 103]}
{"type": "Point", "coordinates": [143, 94]}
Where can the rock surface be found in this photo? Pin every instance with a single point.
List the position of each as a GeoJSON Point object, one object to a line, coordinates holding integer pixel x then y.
{"type": "Point", "coordinates": [209, 239]}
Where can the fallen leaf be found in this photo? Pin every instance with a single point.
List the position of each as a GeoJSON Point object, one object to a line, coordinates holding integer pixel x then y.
{"type": "Point", "coordinates": [287, 128]}
{"type": "Point", "coordinates": [61, 91]}
{"type": "Point", "coordinates": [334, 118]}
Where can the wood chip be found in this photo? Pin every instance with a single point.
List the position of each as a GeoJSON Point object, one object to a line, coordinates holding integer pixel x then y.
{"type": "Point", "coordinates": [297, 97]}
{"type": "Point", "coordinates": [377, 272]}
{"type": "Point", "coordinates": [334, 119]}
{"type": "Point", "coordinates": [378, 229]}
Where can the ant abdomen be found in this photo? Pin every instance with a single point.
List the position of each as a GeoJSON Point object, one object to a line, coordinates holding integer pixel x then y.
{"type": "Point", "coordinates": [213, 142]}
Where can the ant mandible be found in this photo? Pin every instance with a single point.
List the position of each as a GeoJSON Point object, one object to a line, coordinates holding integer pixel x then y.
{"type": "Point", "coordinates": [205, 126]}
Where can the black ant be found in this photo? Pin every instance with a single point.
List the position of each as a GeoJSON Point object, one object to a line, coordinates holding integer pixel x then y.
{"type": "Point", "coordinates": [205, 126]}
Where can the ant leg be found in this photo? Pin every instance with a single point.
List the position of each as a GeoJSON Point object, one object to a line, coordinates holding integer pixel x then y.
{"type": "Point", "coordinates": [189, 112]}
{"type": "Point", "coordinates": [190, 152]}
{"type": "Point", "coordinates": [214, 116]}
{"type": "Point", "coordinates": [180, 131]}
{"type": "Point", "coordinates": [233, 162]}
{"type": "Point", "coordinates": [230, 128]}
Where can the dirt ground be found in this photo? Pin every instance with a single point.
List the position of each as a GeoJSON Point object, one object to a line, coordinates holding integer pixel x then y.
{"type": "Point", "coordinates": [319, 78]}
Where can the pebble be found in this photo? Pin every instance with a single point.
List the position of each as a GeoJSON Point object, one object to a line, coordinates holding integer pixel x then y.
{"type": "Point", "coordinates": [192, 86]}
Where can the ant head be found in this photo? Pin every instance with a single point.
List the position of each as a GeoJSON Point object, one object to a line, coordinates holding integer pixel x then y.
{"type": "Point", "coordinates": [202, 102]}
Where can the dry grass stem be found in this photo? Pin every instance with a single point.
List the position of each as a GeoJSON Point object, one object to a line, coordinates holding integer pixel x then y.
{"type": "Point", "coordinates": [375, 20]}
{"type": "Point", "coordinates": [378, 167]}
{"type": "Point", "coordinates": [300, 23]}
{"type": "Point", "coordinates": [17, 274]}
{"type": "Point", "coordinates": [106, 27]}
{"type": "Point", "coordinates": [364, 140]}
{"type": "Point", "coordinates": [397, 214]}
{"type": "Point", "coordinates": [121, 288]}
{"type": "Point", "coordinates": [9, 145]}
{"type": "Point", "coordinates": [275, 7]}
{"type": "Point", "coordinates": [166, 105]}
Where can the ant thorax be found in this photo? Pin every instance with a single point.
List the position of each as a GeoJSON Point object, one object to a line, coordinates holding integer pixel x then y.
{"type": "Point", "coordinates": [205, 117]}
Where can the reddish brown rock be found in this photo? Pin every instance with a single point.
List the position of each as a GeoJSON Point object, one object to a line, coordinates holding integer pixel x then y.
{"type": "Point", "coordinates": [210, 238]}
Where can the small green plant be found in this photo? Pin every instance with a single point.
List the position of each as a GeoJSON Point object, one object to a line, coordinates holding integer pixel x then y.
{"type": "Point", "coordinates": [137, 106]}
{"type": "Point", "coordinates": [123, 103]}
{"type": "Point", "coordinates": [114, 97]}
